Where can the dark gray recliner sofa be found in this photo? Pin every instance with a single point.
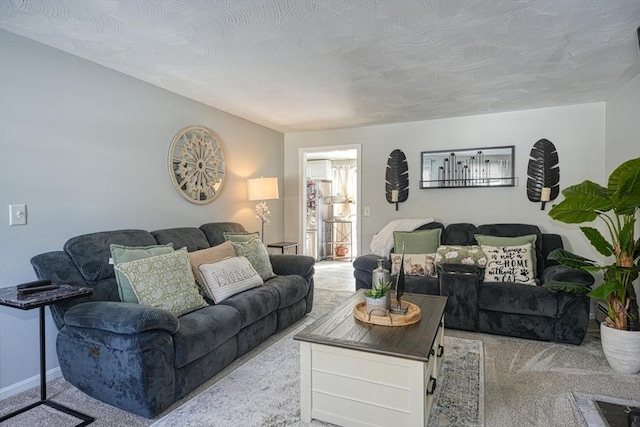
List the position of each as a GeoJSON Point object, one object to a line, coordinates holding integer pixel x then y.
{"type": "Point", "coordinates": [525, 311]}
{"type": "Point", "coordinates": [142, 359]}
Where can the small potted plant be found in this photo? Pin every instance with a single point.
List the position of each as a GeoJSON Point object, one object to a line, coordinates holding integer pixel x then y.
{"type": "Point", "coordinates": [378, 298]}
{"type": "Point", "coordinates": [617, 206]}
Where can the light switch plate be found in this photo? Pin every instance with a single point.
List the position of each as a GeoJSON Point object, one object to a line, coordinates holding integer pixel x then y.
{"type": "Point", "coordinates": [367, 211]}
{"type": "Point", "coordinates": [17, 214]}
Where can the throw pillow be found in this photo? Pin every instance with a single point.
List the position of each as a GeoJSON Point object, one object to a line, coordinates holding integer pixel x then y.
{"type": "Point", "coordinates": [257, 254]}
{"type": "Point", "coordinates": [164, 281]}
{"type": "Point", "coordinates": [229, 277]}
{"type": "Point", "coordinates": [509, 264]}
{"type": "Point", "coordinates": [470, 255]}
{"type": "Point", "coordinates": [120, 254]}
{"type": "Point", "coordinates": [484, 239]}
{"type": "Point", "coordinates": [415, 264]}
{"type": "Point", "coordinates": [417, 242]}
{"type": "Point", "coordinates": [209, 256]}
{"type": "Point", "coordinates": [241, 236]}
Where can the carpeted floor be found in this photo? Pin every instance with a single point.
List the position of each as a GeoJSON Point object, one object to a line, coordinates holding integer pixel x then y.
{"type": "Point", "coordinates": [266, 391]}
{"type": "Point", "coordinates": [527, 383]}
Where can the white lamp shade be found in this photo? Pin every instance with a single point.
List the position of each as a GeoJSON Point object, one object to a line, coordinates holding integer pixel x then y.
{"type": "Point", "coordinates": [263, 188]}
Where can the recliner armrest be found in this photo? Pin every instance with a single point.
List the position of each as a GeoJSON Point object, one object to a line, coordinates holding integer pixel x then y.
{"type": "Point", "coordinates": [120, 317]}
{"type": "Point", "coordinates": [285, 265]}
{"type": "Point", "coordinates": [460, 269]}
{"type": "Point", "coordinates": [561, 273]}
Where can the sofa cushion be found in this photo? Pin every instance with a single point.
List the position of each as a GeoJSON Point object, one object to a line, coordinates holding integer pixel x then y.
{"type": "Point", "coordinates": [254, 304]}
{"type": "Point", "coordinates": [530, 239]}
{"type": "Point", "coordinates": [291, 289]}
{"type": "Point", "coordinates": [190, 237]}
{"type": "Point", "coordinates": [456, 254]}
{"type": "Point", "coordinates": [459, 234]}
{"type": "Point", "coordinates": [415, 264]}
{"type": "Point", "coordinates": [517, 299]}
{"type": "Point", "coordinates": [164, 281]}
{"type": "Point", "coordinates": [417, 242]}
{"type": "Point", "coordinates": [91, 252]}
{"type": "Point", "coordinates": [209, 256]}
{"type": "Point", "coordinates": [214, 231]}
{"type": "Point", "coordinates": [121, 253]}
{"type": "Point", "coordinates": [202, 331]}
{"type": "Point", "coordinates": [228, 277]}
{"type": "Point", "coordinates": [243, 236]}
{"type": "Point", "coordinates": [514, 230]}
{"type": "Point", "coordinates": [257, 254]}
{"type": "Point", "coordinates": [509, 264]}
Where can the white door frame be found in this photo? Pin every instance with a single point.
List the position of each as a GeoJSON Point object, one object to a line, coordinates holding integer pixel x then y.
{"type": "Point", "coordinates": [302, 196]}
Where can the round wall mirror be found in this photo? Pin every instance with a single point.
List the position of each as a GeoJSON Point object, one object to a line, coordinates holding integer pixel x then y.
{"type": "Point", "coordinates": [196, 164]}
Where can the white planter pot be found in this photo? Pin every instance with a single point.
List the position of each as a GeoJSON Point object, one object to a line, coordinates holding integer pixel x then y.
{"type": "Point", "coordinates": [621, 348]}
{"type": "Point", "coordinates": [378, 306]}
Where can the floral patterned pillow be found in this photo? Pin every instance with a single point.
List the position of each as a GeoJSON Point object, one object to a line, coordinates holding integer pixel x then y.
{"type": "Point", "coordinates": [164, 281]}
{"type": "Point", "coordinates": [469, 255]}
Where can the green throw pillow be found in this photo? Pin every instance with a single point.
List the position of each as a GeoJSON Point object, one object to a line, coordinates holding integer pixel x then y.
{"type": "Point", "coordinates": [121, 253]}
{"type": "Point", "coordinates": [164, 281]}
{"type": "Point", "coordinates": [243, 236]}
{"type": "Point", "coordinates": [257, 254]}
{"type": "Point", "coordinates": [486, 240]}
{"type": "Point", "coordinates": [470, 255]}
{"type": "Point", "coordinates": [417, 242]}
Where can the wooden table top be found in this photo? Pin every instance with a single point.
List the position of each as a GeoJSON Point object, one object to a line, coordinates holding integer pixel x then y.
{"type": "Point", "coordinates": [339, 328]}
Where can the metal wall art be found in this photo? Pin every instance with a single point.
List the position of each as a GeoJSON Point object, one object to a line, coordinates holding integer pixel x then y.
{"type": "Point", "coordinates": [543, 171]}
{"type": "Point", "coordinates": [477, 167]}
{"type": "Point", "coordinates": [397, 178]}
{"type": "Point", "coordinates": [197, 164]}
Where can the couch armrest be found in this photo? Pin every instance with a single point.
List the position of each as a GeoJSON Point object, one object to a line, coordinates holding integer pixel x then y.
{"type": "Point", "coordinates": [460, 269]}
{"type": "Point", "coordinates": [561, 273]}
{"type": "Point", "coordinates": [363, 267]}
{"type": "Point", "coordinates": [285, 265]}
{"type": "Point", "coordinates": [120, 317]}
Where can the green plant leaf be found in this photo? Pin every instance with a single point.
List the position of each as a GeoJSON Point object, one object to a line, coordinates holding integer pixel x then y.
{"type": "Point", "coordinates": [573, 288]}
{"type": "Point", "coordinates": [626, 238]}
{"type": "Point", "coordinates": [624, 187]}
{"type": "Point", "coordinates": [609, 287]}
{"type": "Point", "coordinates": [582, 203]}
{"type": "Point", "coordinates": [598, 241]}
{"type": "Point", "coordinates": [569, 259]}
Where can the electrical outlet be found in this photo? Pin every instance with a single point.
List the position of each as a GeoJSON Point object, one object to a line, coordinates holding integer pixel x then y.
{"type": "Point", "coordinates": [367, 211]}
{"type": "Point", "coordinates": [17, 214]}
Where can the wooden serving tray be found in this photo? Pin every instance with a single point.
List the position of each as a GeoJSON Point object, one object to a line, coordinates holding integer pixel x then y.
{"type": "Point", "coordinates": [412, 316]}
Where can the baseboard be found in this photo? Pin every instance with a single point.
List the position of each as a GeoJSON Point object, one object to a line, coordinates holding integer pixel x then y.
{"type": "Point", "coordinates": [24, 385]}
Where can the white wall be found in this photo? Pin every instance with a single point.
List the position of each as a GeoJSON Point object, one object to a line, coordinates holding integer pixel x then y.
{"type": "Point", "coordinates": [577, 131]}
{"type": "Point", "coordinates": [86, 149]}
{"type": "Point", "coordinates": [623, 133]}
{"type": "Point", "coordinates": [623, 125]}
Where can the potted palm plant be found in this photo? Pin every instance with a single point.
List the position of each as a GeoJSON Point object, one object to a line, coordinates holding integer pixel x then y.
{"type": "Point", "coordinates": [617, 206]}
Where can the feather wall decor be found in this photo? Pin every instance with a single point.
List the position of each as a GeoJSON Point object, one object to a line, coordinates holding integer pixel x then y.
{"type": "Point", "coordinates": [543, 173]}
{"type": "Point", "coordinates": [397, 178]}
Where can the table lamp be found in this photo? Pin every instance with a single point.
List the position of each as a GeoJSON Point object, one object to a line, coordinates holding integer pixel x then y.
{"type": "Point", "coordinates": [263, 189]}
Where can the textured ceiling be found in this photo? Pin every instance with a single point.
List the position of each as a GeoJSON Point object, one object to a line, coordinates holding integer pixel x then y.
{"type": "Point", "coordinates": [295, 65]}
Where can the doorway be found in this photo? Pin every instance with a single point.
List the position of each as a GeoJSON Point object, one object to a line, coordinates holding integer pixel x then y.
{"type": "Point", "coordinates": [330, 202]}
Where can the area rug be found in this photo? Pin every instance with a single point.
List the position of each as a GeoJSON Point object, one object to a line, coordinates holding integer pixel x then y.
{"type": "Point", "coordinates": [265, 391]}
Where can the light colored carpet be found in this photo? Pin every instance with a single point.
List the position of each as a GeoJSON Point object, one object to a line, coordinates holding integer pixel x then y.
{"type": "Point", "coordinates": [266, 391]}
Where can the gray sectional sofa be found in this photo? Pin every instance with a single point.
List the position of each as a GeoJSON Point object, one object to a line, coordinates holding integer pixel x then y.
{"type": "Point", "coordinates": [518, 310]}
{"type": "Point", "coordinates": [142, 359]}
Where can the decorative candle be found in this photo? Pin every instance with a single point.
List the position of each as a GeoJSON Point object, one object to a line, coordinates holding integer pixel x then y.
{"type": "Point", "coordinates": [545, 195]}
{"type": "Point", "coordinates": [394, 196]}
